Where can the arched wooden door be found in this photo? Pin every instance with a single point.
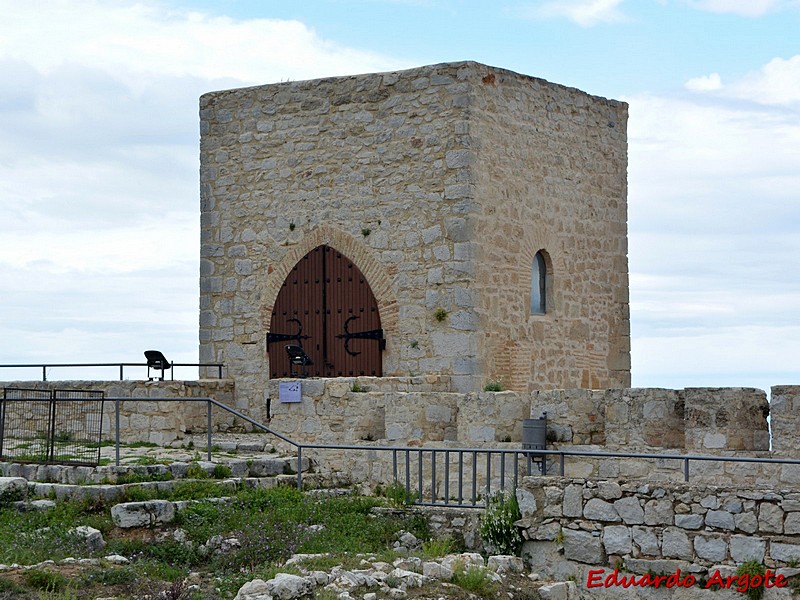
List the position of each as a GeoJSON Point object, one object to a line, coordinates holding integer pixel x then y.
{"type": "Point", "coordinates": [326, 306]}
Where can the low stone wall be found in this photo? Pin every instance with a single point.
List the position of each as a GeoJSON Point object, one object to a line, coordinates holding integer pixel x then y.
{"type": "Point", "coordinates": [656, 528]}
{"type": "Point", "coordinates": [158, 422]}
{"type": "Point", "coordinates": [699, 420]}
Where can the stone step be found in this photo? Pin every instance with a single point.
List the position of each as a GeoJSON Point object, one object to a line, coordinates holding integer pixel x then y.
{"type": "Point", "coordinates": [259, 466]}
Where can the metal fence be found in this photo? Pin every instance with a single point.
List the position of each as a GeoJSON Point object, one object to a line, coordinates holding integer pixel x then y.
{"type": "Point", "coordinates": [456, 477]}
{"type": "Point", "coordinates": [215, 367]}
{"type": "Point", "coordinates": [51, 426]}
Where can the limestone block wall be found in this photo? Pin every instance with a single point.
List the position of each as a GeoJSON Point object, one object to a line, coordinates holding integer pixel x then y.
{"type": "Point", "coordinates": [550, 173]}
{"type": "Point", "coordinates": [144, 420]}
{"type": "Point", "coordinates": [785, 420]}
{"type": "Point", "coordinates": [698, 420]}
{"type": "Point", "coordinates": [656, 528]}
{"type": "Point", "coordinates": [440, 183]}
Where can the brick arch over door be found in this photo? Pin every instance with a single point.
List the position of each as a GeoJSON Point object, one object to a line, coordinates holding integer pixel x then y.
{"type": "Point", "coordinates": [326, 306]}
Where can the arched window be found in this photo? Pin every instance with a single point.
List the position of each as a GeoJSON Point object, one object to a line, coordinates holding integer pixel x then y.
{"type": "Point", "coordinates": [539, 284]}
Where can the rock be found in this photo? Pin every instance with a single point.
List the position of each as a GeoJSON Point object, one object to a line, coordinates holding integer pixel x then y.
{"type": "Point", "coordinates": [92, 537]}
{"type": "Point", "coordinates": [720, 519]}
{"type": "Point", "coordinates": [646, 540]}
{"type": "Point", "coordinates": [464, 560]}
{"type": "Point", "coordinates": [143, 514]}
{"type": "Point", "coordinates": [787, 553]}
{"type": "Point", "coordinates": [689, 521]}
{"type": "Point", "coordinates": [526, 502]}
{"type": "Point", "coordinates": [408, 579]}
{"type": "Point", "coordinates": [630, 510]}
{"type": "Point", "coordinates": [436, 571]}
{"type": "Point", "coordinates": [563, 590]}
{"type": "Point", "coordinates": [572, 505]}
{"type": "Point", "coordinates": [600, 510]}
{"type": "Point", "coordinates": [116, 559]}
{"type": "Point", "coordinates": [617, 539]}
{"type": "Point", "coordinates": [770, 518]}
{"type": "Point", "coordinates": [504, 563]}
{"type": "Point", "coordinates": [583, 547]}
{"type": "Point", "coordinates": [658, 512]}
{"type": "Point", "coordinates": [745, 547]}
{"type": "Point", "coordinates": [710, 548]}
{"type": "Point", "coordinates": [254, 590]}
{"type": "Point", "coordinates": [287, 587]}
{"type": "Point", "coordinates": [609, 490]}
{"type": "Point", "coordinates": [675, 544]}
{"type": "Point", "coordinates": [13, 488]}
{"type": "Point", "coordinates": [746, 522]}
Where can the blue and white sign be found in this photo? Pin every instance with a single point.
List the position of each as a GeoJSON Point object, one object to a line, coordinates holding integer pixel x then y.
{"type": "Point", "coordinates": [289, 391]}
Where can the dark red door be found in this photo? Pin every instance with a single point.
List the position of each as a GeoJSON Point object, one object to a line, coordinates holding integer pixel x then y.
{"type": "Point", "coordinates": [327, 307]}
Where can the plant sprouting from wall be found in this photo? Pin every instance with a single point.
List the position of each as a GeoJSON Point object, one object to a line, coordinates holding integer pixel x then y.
{"type": "Point", "coordinates": [440, 314]}
{"type": "Point", "coordinates": [498, 532]}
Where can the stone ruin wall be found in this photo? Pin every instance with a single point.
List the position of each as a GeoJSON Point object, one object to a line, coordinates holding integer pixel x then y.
{"type": "Point", "coordinates": [417, 412]}
{"type": "Point", "coordinates": [153, 421]}
{"type": "Point", "coordinates": [574, 525]}
{"type": "Point", "coordinates": [421, 179]}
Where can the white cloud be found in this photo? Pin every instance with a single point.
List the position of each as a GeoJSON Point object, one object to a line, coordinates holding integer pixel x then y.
{"type": "Point", "coordinates": [744, 8]}
{"type": "Point", "coordinates": [777, 82]}
{"type": "Point", "coordinates": [714, 221]}
{"type": "Point", "coordinates": [146, 38]}
{"type": "Point", "coordinates": [706, 83]}
{"type": "Point", "coordinates": [585, 13]}
{"type": "Point", "coordinates": [98, 165]}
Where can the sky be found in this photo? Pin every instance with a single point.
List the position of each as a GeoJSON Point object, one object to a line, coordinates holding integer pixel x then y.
{"type": "Point", "coordinates": [99, 159]}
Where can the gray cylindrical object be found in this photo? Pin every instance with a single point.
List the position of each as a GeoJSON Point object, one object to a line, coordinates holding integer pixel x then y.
{"type": "Point", "coordinates": [534, 433]}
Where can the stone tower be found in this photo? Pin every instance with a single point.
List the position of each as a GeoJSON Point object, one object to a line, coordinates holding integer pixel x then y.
{"type": "Point", "coordinates": [483, 211]}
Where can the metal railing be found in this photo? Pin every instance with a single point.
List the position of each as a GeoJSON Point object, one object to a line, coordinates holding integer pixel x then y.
{"type": "Point", "coordinates": [120, 365]}
{"type": "Point", "coordinates": [472, 467]}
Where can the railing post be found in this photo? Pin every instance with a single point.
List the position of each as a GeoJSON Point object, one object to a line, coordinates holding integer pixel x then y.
{"type": "Point", "coordinates": [686, 469]}
{"type": "Point", "coordinates": [419, 473]}
{"type": "Point", "coordinates": [433, 476]}
{"type": "Point", "coordinates": [220, 371]}
{"type": "Point", "coordinates": [299, 468]}
{"type": "Point", "coordinates": [208, 434]}
{"type": "Point", "coordinates": [394, 465]}
{"type": "Point", "coordinates": [563, 458]}
{"type": "Point", "coordinates": [120, 372]}
{"type": "Point", "coordinates": [116, 428]}
{"type": "Point", "coordinates": [44, 372]}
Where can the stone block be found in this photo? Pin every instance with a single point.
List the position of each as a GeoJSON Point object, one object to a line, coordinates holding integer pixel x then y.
{"type": "Point", "coordinates": [600, 510]}
{"type": "Point", "coordinates": [582, 546]}
{"type": "Point", "coordinates": [572, 505]}
{"type": "Point", "coordinates": [786, 553]}
{"type": "Point", "coordinates": [745, 547]}
{"type": "Point", "coordinates": [720, 519]}
{"type": "Point", "coordinates": [689, 521]}
{"type": "Point", "coordinates": [714, 549]}
{"type": "Point", "coordinates": [617, 539]}
{"type": "Point", "coordinates": [675, 544]}
{"type": "Point", "coordinates": [647, 540]}
{"type": "Point", "coordinates": [630, 510]}
{"type": "Point", "coordinates": [770, 518]}
{"type": "Point", "coordinates": [143, 514]}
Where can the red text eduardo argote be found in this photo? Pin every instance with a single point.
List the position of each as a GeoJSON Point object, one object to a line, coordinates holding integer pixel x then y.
{"type": "Point", "coordinates": [741, 583]}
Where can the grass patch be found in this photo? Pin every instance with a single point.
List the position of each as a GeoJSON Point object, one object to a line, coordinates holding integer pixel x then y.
{"type": "Point", "coordinates": [475, 580]}
{"type": "Point", "coordinates": [46, 581]}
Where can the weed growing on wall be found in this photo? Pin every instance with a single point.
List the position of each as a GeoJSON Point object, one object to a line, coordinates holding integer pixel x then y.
{"type": "Point", "coordinates": [498, 532]}
{"type": "Point", "coordinates": [752, 568]}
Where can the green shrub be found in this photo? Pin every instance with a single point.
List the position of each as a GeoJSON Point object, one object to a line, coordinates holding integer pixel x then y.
{"type": "Point", "coordinates": [46, 581]}
{"type": "Point", "coordinates": [398, 495]}
{"type": "Point", "coordinates": [475, 580]}
{"type": "Point", "coordinates": [440, 314]}
{"type": "Point", "coordinates": [751, 568]}
{"type": "Point", "coordinates": [498, 532]}
{"type": "Point", "coordinates": [221, 471]}
{"type": "Point", "coordinates": [493, 385]}
{"type": "Point", "coordinates": [195, 471]}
